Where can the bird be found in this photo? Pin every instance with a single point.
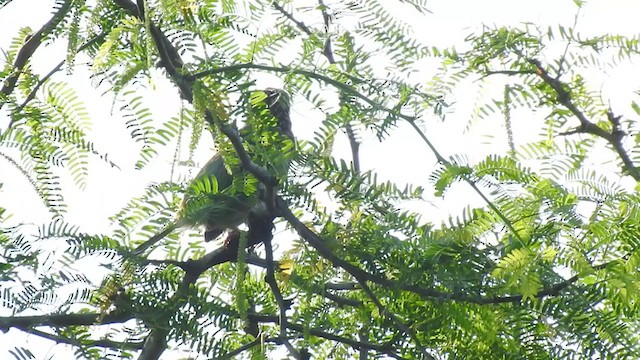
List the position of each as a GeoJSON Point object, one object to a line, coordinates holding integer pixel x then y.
{"type": "Point", "coordinates": [212, 199]}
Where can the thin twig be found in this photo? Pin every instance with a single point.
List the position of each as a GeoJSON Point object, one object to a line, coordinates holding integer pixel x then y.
{"type": "Point", "coordinates": [32, 93]}
{"type": "Point", "coordinates": [340, 300]}
{"type": "Point", "coordinates": [566, 48]}
{"type": "Point", "coordinates": [469, 181]}
{"type": "Point", "coordinates": [328, 53]}
{"type": "Point", "coordinates": [386, 349]}
{"type": "Point", "coordinates": [30, 47]}
{"type": "Point", "coordinates": [283, 304]}
{"type": "Point", "coordinates": [285, 69]}
{"type": "Point", "coordinates": [105, 343]}
{"type": "Point", "coordinates": [508, 73]}
{"type": "Point", "coordinates": [255, 342]}
{"type": "Point", "coordinates": [395, 319]}
{"type": "Point", "coordinates": [289, 16]}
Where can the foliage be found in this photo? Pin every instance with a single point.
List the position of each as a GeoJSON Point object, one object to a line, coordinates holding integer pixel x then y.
{"type": "Point", "coordinates": [546, 267]}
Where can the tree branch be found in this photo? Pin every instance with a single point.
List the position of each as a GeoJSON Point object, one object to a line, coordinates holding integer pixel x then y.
{"type": "Point", "coordinates": [340, 300]}
{"type": "Point", "coordinates": [386, 349]}
{"type": "Point", "coordinates": [289, 16]}
{"type": "Point", "coordinates": [395, 319]}
{"type": "Point", "coordinates": [328, 53]}
{"type": "Point", "coordinates": [615, 137]}
{"type": "Point", "coordinates": [30, 47]}
{"type": "Point", "coordinates": [170, 59]}
{"type": "Point", "coordinates": [508, 72]}
{"type": "Point", "coordinates": [32, 93]}
{"type": "Point", "coordinates": [361, 276]}
{"type": "Point", "coordinates": [283, 305]}
{"type": "Point", "coordinates": [257, 341]}
{"type": "Point", "coordinates": [343, 286]}
{"type": "Point", "coordinates": [63, 320]}
{"type": "Point", "coordinates": [468, 180]}
{"type": "Point", "coordinates": [105, 343]}
{"type": "Point", "coordinates": [285, 69]}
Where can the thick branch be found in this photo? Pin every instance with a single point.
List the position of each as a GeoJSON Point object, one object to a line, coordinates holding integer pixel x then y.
{"type": "Point", "coordinates": [319, 244]}
{"type": "Point", "coordinates": [169, 56]}
{"type": "Point", "coordinates": [172, 63]}
{"type": "Point", "coordinates": [62, 320]}
{"type": "Point", "coordinates": [245, 160]}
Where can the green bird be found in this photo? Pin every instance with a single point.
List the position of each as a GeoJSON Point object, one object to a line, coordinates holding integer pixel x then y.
{"type": "Point", "coordinates": [215, 199]}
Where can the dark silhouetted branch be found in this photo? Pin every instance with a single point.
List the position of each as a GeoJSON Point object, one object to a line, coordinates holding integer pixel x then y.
{"type": "Point", "coordinates": [105, 343]}
{"type": "Point", "coordinates": [614, 138]}
{"type": "Point", "coordinates": [29, 48]}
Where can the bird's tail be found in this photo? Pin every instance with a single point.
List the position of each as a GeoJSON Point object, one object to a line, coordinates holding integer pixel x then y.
{"type": "Point", "coordinates": [154, 239]}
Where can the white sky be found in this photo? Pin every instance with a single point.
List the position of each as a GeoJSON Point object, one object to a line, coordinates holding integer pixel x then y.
{"type": "Point", "coordinates": [450, 22]}
{"type": "Point", "coordinates": [446, 26]}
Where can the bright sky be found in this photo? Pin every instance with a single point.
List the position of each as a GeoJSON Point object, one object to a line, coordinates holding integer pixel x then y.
{"type": "Point", "coordinates": [446, 26]}
{"type": "Point", "coordinates": [450, 22]}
